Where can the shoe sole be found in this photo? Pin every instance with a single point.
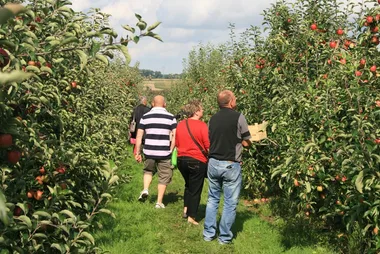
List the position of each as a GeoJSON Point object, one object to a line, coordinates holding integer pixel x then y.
{"type": "Point", "coordinates": [209, 239]}
{"type": "Point", "coordinates": [143, 197]}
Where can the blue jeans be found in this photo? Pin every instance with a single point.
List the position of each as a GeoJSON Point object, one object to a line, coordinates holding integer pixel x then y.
{"type": "Point", "coordinates": [226, 176]}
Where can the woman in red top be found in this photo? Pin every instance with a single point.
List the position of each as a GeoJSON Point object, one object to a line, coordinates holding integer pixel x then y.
{"type": "Point", "coordinates": [192, 162]}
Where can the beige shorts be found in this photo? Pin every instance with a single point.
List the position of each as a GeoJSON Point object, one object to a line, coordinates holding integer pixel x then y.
{"type": "Point", "coordinates": [163, 167]}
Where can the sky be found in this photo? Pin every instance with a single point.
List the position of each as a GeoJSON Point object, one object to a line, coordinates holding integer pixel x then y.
{"type": "Point", "coordinates": [185, 24]}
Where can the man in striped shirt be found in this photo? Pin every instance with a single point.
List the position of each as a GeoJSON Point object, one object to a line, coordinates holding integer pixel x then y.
{"type": "Point", "coordinates": [159, 126]}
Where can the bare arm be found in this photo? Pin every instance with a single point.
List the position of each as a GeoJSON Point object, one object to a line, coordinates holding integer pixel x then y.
{"type": "Point", "coordinates": [172, 144]}
{"type": "Point", "coordinates": [139, 136]}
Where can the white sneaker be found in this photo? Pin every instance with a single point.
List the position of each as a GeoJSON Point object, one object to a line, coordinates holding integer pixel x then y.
{"type": "Point", "coordinates": [143, 195]}
{"type": "Point", "coordinates": [159, 205]}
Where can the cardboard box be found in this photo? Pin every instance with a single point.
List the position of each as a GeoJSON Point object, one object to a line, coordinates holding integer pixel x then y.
{"type": "Point", "coordinates": [258, 131]}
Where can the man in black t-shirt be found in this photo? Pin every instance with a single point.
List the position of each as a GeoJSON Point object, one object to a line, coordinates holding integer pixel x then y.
{"type": "Point", "coordinates": [137, 114]}
{"type": "Point", "coordinates": [228, 131]}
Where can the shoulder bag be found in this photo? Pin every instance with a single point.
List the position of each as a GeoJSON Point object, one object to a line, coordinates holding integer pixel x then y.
{"type": "Point", "coordinates": [132, 126]}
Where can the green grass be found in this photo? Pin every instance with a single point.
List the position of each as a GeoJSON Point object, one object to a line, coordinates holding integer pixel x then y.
{"type": "Point", "coordinates": [140, 228]}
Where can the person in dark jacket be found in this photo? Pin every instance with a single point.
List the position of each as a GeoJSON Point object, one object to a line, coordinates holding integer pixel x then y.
{"type": "Point", "coordinates": [137, 114]}
{"type": "Point", "coordinates": [228, 133]}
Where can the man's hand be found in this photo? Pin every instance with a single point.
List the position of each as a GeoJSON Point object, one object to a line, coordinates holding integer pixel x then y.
{"type": "Point", "coordinates": [246, 143]}
{"type": "Point", "coordinates": [138, 158]}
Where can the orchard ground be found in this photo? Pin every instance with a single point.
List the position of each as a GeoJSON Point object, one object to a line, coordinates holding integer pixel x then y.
{"type": "Point", "coordinates": [140, 228]}
{"type": "Point", "coordinates": [161, 83]}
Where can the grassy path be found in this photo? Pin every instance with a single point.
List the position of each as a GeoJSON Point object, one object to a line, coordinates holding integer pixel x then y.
{"type": "Point", "coordinates": [140, 228]}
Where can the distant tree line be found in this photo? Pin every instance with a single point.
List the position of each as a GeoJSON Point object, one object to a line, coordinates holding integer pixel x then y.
{"type": "Point", "coordinates": [149, 74]}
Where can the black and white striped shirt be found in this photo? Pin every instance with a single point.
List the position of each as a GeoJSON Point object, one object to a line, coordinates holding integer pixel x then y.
{"type": "Point", "coordinates": [157, 125]}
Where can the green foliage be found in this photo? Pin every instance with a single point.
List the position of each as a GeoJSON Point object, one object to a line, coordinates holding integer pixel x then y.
{"type": "Point", "coordinates": [201, 79]}
{"type": "Point", "coordinates": [322, 104]}
{"type": "Point", "coordinates": [64, 108]}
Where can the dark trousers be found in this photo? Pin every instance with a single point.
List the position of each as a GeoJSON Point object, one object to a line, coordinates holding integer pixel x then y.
{"type": "Point", "coordinates": [194, 172]}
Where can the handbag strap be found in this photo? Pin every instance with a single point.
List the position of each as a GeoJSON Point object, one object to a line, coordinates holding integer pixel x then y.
{"type": "Point", "coordinates": [195, 141]}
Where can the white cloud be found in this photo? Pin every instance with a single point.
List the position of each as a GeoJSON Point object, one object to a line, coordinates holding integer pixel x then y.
{"type": "Point", "coordinates": [119, 10]}
{"type": "Point", "coordinates": [80, 5]}
{"type": "Point", "coordinates": [210, 14]}
{"type": "Point", "coordinates": [185, 23]}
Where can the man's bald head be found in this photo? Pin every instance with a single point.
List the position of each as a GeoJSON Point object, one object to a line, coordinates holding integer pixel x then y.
{"type": "Point", "coordinates": [226, 99]}
{"type": "Point", "coordinates": [159, 101]}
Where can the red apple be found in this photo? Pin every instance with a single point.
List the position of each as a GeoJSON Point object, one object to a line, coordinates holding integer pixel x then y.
{"type": "Point", "coordinates": [373, 68]}
{"type": "Point", "coordinates": [13, 156]}
{"type": "Point", "coordinates": [73, 84]}
{"type": "Point", "coordinates": [30, 194]}
{"type": "Point", "coordinates": [6, 140]}
{"type": "Point", "coordinates": [17, 211]}
{"type": "Point", "coordinates": [61, 170]}
{"type": "Point", "coordinates": [340, 31]}
{"type": "Point", "coordinates": [332, 44]}
{"type": "Point", "coordinates": [369, 19]}
{"type": "Point", "coordinates": [362, 62]}
{"type": "Point", "coordinates": [313, 26]}
{"type": "Point", "coordinates": [375, 40]}
{"type": "Point", "coordinates": [358, 73]}
{"type": "Point", "coordinates": [42, 170]}
{"type": "Point", "coordinates": [40, 179]}
{"type": "Point", "coordinates": [343, 61]}
{"type": "Point", "coordinates": [4, 58]}
{"type": "Point", "coordinates": [38, 195]}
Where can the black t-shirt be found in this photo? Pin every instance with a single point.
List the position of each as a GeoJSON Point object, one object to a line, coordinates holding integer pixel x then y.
{"type": "Point", "coordinates": [138, 113]}
{"type": "Point", "coordinates": [227, 129]}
